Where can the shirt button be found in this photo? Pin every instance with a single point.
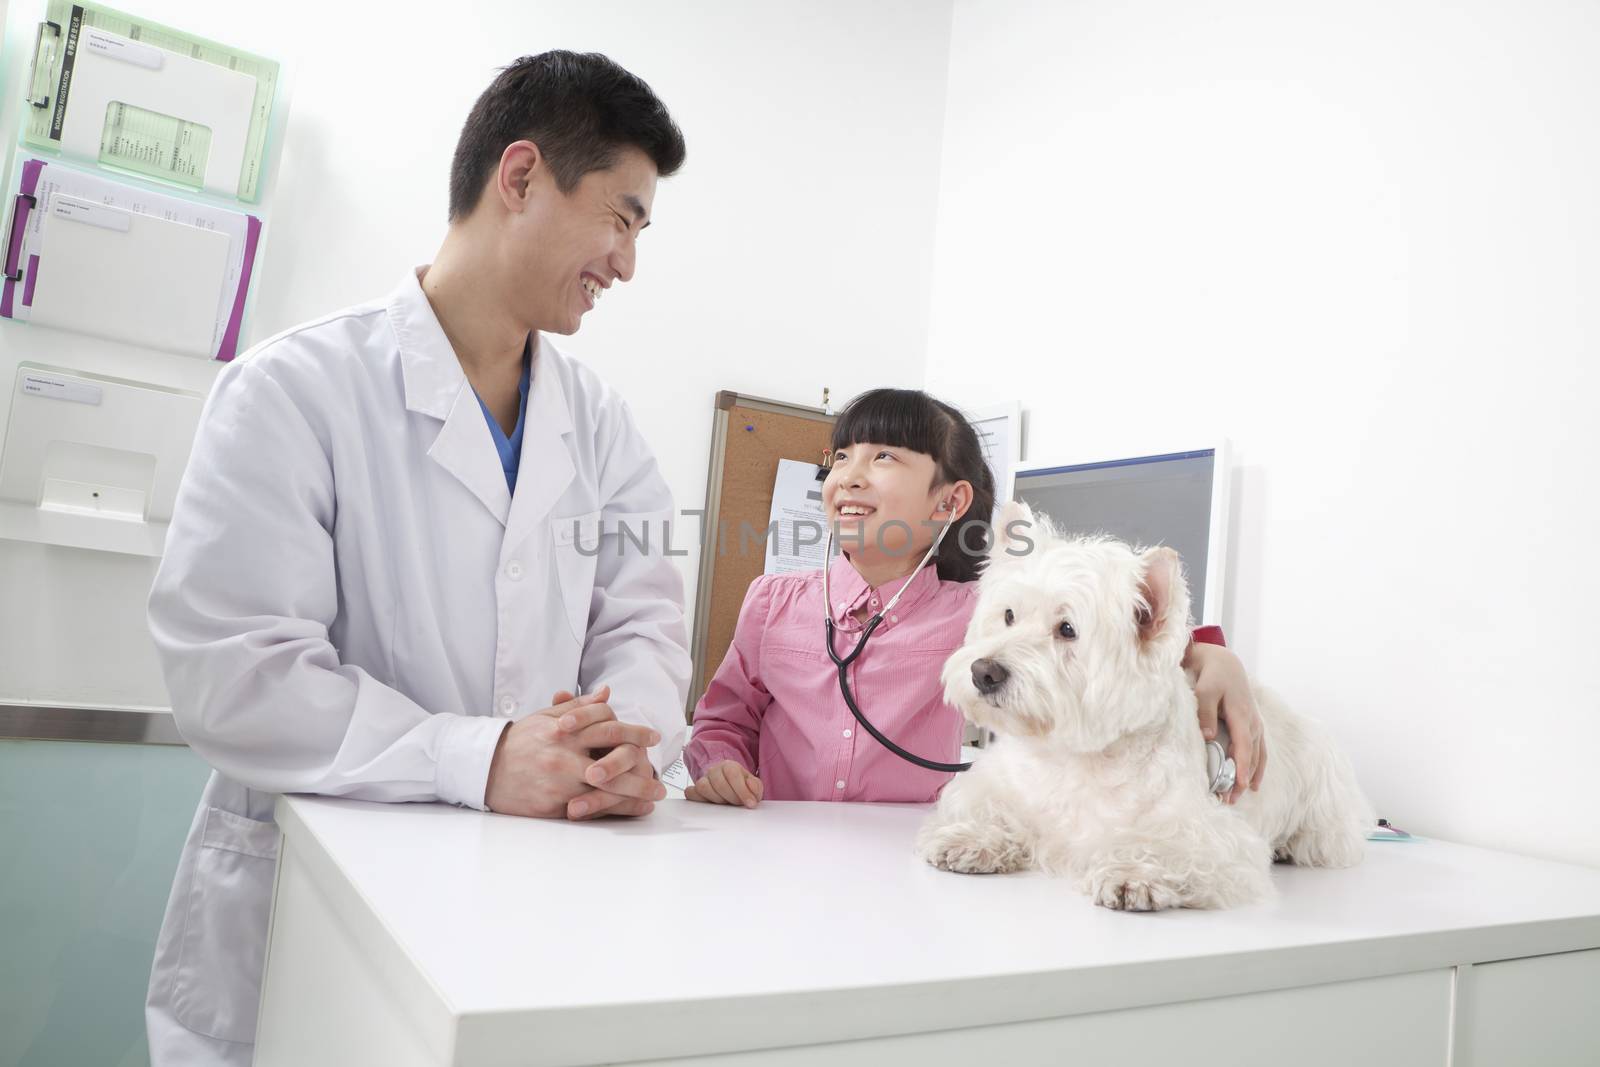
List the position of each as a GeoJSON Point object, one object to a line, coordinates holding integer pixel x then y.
{"type": "Point", "coordinates": [514, 571]}
{"type": "Point", "coordinates": [894, 618]}
{"type": "Point", "coordinates": [508, 704]}
{"type": "Point", "coordinates": [839, 784]}
{"type": "Point", "coordinates": [847, 733]}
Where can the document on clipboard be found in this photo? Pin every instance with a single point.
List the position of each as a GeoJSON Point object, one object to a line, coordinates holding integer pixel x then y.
{"type": "Point", "coordinates": [133, 94]}
{"type": "Point", "coordinates": [94, 255]}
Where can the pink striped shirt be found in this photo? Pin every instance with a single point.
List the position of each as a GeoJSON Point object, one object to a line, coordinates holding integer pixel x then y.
{"type": "Point", "coordinates": [775, 707]}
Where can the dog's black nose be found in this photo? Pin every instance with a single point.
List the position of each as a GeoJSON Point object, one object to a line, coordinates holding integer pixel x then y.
{"type": "Point", "coordinates": [988, 675]}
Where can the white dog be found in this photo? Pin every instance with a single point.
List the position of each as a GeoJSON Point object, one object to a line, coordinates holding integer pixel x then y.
{"type": "Point", "coordinates": [1074, 657]}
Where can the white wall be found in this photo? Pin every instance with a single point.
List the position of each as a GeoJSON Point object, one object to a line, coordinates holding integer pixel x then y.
{"type": "Point", "coordinates": [794, 250]}
{"type": "Point", "coordinates": [1358, 240]}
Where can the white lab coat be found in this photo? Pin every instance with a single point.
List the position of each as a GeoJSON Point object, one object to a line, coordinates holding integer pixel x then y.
{"type": "Point", "coordinates": [352, 603]}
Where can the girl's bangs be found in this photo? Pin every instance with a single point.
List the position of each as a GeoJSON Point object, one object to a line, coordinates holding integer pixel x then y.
{"type": "Point", "coordinates": [900, 418]}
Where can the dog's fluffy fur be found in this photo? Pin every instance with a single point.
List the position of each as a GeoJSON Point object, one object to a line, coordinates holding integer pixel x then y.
{"type": "Point", "coordinates": [1099, 770]}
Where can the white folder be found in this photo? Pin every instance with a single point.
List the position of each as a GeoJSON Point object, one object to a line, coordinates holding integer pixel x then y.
{"type": "Point", "coordinates": [111, 69]}
{"type": "Point", "coordinates": [129, 277]}
{"type": "Point", "coordinates": [93, 462]}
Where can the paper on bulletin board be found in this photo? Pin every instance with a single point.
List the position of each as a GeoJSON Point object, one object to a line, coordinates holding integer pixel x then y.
{"type": "Point", "coordinates": [999, 429]}
{"type": "Point", "coordinates": [795, 523]}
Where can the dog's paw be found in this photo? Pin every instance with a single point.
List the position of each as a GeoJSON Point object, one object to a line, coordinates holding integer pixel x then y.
{"type": "Point", "coordinates": [1336, 846]}
{"type": "Point", "coordinates": [1123, 890]}
{"type": "Point", "coordinates": [968, 848]}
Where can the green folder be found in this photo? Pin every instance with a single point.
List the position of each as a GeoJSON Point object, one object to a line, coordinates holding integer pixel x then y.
{"type": "Point", "coordinates": [168, 148]}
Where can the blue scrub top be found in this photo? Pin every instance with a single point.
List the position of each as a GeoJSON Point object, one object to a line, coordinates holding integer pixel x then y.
{"type": "Point", "coordinates": [510, 448]}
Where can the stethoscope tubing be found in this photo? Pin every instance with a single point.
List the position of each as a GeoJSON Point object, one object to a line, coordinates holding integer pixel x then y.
{"type": "Point", "coordinates": [843, 663]}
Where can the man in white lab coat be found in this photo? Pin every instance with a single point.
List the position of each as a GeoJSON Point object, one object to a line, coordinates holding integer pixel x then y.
{"type": "Point", "coordinates": [396, 550]}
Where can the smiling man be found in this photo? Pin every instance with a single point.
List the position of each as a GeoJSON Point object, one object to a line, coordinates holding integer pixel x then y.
{"type": "Point", "coordinates": [382, 580]}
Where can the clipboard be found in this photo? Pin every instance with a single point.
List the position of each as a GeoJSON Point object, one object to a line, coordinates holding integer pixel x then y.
{"type": "Point", "coordinates": [93, 255]}
{"type": "Point", "coordinates": [108, 88]}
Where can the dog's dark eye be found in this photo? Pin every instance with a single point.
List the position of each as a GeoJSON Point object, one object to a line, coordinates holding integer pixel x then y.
{"type": "Point", "coordinates": [1067, 632]}
{"type": "Point", "coordinates": [1010, 618]}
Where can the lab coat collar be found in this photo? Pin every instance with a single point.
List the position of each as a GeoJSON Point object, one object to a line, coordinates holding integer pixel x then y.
{"type": "Point", "coordinates": [544, 466]}
{"type": "Point", "coordinates": [548, 410]}
{"type": "Point", "coordinates": [433, 374]}
{"type": "Point", "coordinates": [436, 386]}
{"type": "Point", "coordinates": [851, 593]}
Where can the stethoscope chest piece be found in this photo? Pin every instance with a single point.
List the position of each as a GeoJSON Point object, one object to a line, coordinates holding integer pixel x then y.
{"type": "Point", "coordinates": [1220, 771]}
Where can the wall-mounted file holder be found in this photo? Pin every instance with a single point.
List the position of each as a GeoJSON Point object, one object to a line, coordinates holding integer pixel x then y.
{"type": "Point", "coordinates": [124, 92]}
{"type": "Point", "coordinates": [93, 462]}
{"type": "Point", "coordinates": [93, 255]}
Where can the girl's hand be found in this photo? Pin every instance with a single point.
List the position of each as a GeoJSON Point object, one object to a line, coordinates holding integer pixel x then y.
{"type": "Point", "coordinates": [1222, 687]}
{"type": "Point", "coordinates": [726, 783]}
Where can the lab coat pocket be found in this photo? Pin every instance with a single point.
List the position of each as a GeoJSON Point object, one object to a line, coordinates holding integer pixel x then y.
{"type": "Point", "coordinates": [577, 545]}
{"type": "Point", "coordinates": [218, 981]}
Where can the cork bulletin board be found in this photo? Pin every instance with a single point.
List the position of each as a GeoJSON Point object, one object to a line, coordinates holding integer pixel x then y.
{"type": "Point", "coordinates": [748, 437]}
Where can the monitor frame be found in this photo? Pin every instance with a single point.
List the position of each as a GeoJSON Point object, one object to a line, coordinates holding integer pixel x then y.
{"type": "Point", "coordinates": [1221, 480]}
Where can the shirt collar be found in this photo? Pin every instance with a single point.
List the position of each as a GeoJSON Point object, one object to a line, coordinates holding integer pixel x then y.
{"type": "Point", "coordinates": [851, 593]}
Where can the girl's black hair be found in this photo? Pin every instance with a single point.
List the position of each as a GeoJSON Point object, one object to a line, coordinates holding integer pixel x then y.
{"type": "Point", "coordinates": [910, 418]}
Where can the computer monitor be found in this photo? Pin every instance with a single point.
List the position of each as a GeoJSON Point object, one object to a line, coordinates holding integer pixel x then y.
{"type": "Point", "coordinates": [1174, 498]}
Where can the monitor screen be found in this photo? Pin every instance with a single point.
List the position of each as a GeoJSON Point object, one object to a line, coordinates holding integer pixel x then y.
{"type": "Point", "coordinates": [1149, 500]}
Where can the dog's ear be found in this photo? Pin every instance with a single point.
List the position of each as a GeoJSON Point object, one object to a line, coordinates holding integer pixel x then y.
{"type": "Point", "coordinates": [1162, 609]}
{"type": "Point", "coordinates": [1015, 531]}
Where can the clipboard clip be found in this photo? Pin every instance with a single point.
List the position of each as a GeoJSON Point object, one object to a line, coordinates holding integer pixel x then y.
{"type": "Point", "coordinates": [19, 222]}
{"type": "Point", "coordinates": [41, 102]}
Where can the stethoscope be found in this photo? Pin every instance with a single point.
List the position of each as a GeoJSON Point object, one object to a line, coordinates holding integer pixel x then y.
{"type": "Point", "coordinates": [1220, 771]}
{"type": "Point", "coordinates": [861, 643]}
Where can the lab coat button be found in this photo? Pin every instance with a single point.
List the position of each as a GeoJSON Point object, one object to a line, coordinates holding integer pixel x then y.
{"type": "Point", "coordinates": [508, 704]}
{"type": "Point", "coordinates": [514, 571]}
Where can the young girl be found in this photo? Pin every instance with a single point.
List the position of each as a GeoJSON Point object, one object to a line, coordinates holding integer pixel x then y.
{"type": "Point", "coordinates": [772, 723]}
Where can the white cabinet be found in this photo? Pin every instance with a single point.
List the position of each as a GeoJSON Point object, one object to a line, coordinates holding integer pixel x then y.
{"type": "Point", "coordinates": [1544, 1010]}
{"type": "Point", "coordinates": [1398, 1021]}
